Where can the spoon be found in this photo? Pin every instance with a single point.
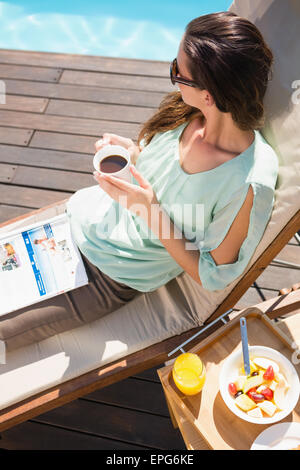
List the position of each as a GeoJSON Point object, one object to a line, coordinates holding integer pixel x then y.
{"type": "Point", "coordinates": [243, 325]}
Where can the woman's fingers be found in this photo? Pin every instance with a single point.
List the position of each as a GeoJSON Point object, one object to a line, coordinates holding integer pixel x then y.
{"type": "Point", "coordinates": [120, 183]}
{"type": "Point", "coordinates": [139, 177]}
{"type": "Point", "coordinates": [112, 139]}
{"type": "Point", "coordinates": [110, 187]}
{"type": "Point", "coordinates": [101, 143]}
{"type": "Point", "coordinates": [117, 139]}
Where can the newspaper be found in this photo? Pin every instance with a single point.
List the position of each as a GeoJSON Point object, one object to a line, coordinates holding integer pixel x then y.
{"type": "Point", "coordinates": [37, 263]}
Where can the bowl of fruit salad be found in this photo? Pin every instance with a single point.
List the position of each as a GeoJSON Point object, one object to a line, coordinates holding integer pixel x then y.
{"type": "Point", "coordinates": [268, 394]}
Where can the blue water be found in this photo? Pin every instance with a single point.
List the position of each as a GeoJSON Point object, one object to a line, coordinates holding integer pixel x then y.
{"type": "Point", "coordinates": [129, 28]}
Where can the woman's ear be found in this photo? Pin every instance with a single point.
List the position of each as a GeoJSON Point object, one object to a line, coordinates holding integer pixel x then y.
{"type": "Point", "coordinates": [209, 101]}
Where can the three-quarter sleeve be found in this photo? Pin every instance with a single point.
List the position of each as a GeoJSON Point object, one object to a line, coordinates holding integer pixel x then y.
{"type": "Point", "coordinates": [216, 277]}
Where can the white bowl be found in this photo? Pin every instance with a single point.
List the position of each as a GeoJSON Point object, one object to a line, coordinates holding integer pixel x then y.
{"type": "Point", "coordinates": [230, 371]}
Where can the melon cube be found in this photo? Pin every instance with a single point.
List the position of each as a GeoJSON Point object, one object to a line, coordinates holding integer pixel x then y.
{"type": "Point", "coordinates": [244, 402]}
{"type": "Point", "coordinates": [264, 363]}
{"type": "Point", "coordinates": [255, 413]}
{"type": "Point", "coordinates": [268, 407]}
{"type": "Point", "coordinates": [280, 378]}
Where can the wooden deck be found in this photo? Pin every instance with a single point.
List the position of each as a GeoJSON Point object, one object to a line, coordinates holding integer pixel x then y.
{"type": "Point", "coordinates": [57, 106]}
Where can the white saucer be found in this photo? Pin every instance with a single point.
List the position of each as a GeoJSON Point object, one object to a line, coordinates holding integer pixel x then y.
{"type": "Point", "coordinates": [282, 436]}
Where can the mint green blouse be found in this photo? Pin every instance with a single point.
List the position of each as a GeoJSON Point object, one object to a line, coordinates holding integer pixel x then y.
{"type": "Point", "coordinates": [202, 205]}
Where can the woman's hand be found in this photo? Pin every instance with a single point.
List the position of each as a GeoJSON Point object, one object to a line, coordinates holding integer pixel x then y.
{"type": "Point", "coordinates": [138, 199]}
{"type": "Point", "coordinates": [114, 139]}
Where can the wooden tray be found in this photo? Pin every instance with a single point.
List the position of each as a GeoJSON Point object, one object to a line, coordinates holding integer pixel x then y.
{"type": "Point", "coordinates": [207, 412]}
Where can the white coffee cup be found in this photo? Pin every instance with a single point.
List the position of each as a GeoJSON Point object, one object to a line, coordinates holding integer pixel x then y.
{"type": "Point", "coordinates": [108, 150]}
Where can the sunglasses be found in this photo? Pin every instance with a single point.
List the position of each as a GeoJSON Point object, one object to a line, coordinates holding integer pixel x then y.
{"type": "Point", "coordinates": [174, 79]}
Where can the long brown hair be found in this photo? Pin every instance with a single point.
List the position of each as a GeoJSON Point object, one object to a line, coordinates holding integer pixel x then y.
{"type": "Point", "coordinates": [228, 57]}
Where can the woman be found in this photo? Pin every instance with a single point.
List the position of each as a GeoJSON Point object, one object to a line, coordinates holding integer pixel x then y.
{"type": "Point", "coordinates": [201, 148]}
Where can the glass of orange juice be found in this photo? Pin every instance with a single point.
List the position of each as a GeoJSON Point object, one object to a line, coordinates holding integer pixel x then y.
{"type": "Point", "coordinates": [189, 373]}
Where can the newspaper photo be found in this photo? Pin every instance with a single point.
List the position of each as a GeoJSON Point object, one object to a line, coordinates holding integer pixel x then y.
{"type": "Point", "coordinates": [39, 262]}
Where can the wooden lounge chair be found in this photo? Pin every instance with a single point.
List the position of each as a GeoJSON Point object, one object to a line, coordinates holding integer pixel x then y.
{"type": "Point", "coordinates": [140, 335]}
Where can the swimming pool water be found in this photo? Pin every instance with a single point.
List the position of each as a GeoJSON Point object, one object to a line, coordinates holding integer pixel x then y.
{"type": "Point", "coordinates": [129, 28]}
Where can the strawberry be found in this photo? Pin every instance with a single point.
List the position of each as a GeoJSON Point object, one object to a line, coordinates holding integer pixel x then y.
{"type": "Point", "coordinates": [267, 393]}
{"type": "Point", "coordinates": [269, 374]}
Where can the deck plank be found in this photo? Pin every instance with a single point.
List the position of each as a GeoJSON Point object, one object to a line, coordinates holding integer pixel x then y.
{"type": "Point", "coordinates": [85, 62]}
{"type": "Point", "coordinates": [279, 277]}
{"type": "Point", "coordinates": [29, 197]}
{"type": "Point", "coordinates": [66, 142]}
{"type": "Point", "coordinates": [7, 173]}
{"type": "Point", "coordinates": [24, 103]}
{"type": "Point", "coordinates": [11, 135]}
{"type": "Point", "coordinates": [290, 253]}
{"type": "Point", "coordinates": [150, 374]}
{"type": "Point", "coordinates": [66, 124]}
{"type": "Point", "coordinates": [10, 212]}
{"type": "Point", "coordinates": [37, 436]}
{"type": "Point", "coordinates": [45, 178]}
{"type": "Point", "coordinates": [255, 295]}
{"type": "Point", "coordinates": [112, 112]}
{"type": "Point", "coordinates": [110, 80]}
{"type": "Point", "coordinates": [148, 396]}
{"type": "Point", "coordinates": [115, 423]}
{"type": "Point", "coordinates": [25, 72]}
{"type": "Point", "coordinates": [45, 158]}
{"type": "Point", "coordinates": [84, 93]}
